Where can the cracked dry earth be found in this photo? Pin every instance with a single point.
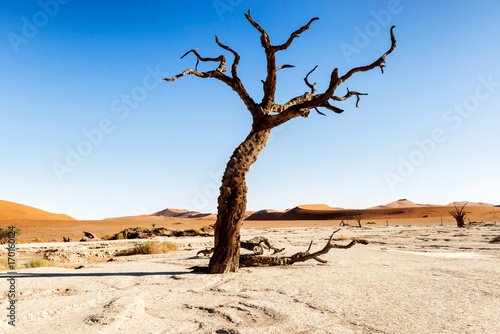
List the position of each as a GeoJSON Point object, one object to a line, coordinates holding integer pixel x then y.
{"type": "Point", "coordinates": [407, 280]}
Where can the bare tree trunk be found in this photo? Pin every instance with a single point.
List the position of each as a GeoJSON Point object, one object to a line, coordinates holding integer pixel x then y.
{"type": "Point", "coordinates": [232, 203]}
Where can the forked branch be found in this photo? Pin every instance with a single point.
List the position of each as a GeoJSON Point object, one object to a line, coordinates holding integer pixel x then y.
{"type": "Point", "coordinates": [271, 50]}
{"type": "Point", "coordinates": [300, 105]}
{"type": "Point", "coordinates": [348, 95]}
{"type": "Point", "coordinates": [221, 59]}
{"type": "Point", "coordinates": [307, 81]}
{"type": "Point", "coordinates": [234, 82]}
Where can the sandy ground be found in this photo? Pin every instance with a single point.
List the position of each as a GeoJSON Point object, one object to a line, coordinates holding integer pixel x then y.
{"type": "Point", "coordinates": [437, 279]}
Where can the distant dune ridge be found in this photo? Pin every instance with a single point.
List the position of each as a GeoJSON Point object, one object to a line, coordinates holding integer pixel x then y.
{"type": "Point", "coordinates": [402, 203]}
{"type": "Point", "coordinates": [14, 212]}
{"type": "Point", "coordinates": [174, 213]}
{"type": "Point", "coordinates": [472, 204]}
{"type": "Point", "coordinates": [181, 213]}
{"type": "Point", "coordinates": [402, 208]}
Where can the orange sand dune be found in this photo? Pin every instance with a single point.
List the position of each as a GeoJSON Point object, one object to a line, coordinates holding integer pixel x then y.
{"type": "Point", "coordinates": [168, 214]}
{"type": "Point", "coordinates": [14, 212]}
{"type": "Point", "coordinates": [315, 207]}
{"type": "Point", "coordinates": [402, 203]}
{"type": "Point", "coordinates": [423, 213]}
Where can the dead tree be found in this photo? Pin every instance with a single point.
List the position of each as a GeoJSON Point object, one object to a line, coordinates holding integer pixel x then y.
{"type": "Point", "coordinates": [459, 214]}
{"type": "Point", "coordinates": [357, 218]}
{"type": "Point", "coordinates": [259, 260]}
{"type": "Point", "coordinates": [266, 115]}
{"type": "Point", "coordinates": [342, 223]}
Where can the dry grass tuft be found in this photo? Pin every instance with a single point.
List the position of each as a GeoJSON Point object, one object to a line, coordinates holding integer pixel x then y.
{"type": "Point", "coordinates": [150, 247]}
{"type": "Point", "coordinates": [36, 263]}
{"type": "Point", "coordinates": [4, 265]}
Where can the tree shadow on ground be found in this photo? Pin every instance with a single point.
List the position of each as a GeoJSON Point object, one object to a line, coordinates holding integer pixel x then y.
{"type": "Point", "coordinates": [194, 270]}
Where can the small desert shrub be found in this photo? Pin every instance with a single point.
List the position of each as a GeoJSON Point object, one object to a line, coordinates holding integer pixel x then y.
{"type": "Point", "coordinates": [495, 240]}
{"type": "Point", "coordinates": [107, 236]}
{"type": "Point", "coordinates": [151, 247]}
{"type": "Point", "coordinates": [194, 231]}
{"type": "Point", "coordinates": [4, 234]}
{"type": "Point", "coordinates": [119, 236]}
{"type": "Point", "coordinates": [207, 228]}
{"type": "Point", "coordinates": [35, 263]}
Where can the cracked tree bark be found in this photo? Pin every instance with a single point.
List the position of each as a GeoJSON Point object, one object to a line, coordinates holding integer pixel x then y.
{"type": "Point", "coordinates": [233, 202]}
{"type": "Point", "coordinates": [266, 115]}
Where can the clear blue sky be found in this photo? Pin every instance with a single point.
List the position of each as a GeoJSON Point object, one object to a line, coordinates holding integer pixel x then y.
{"type": "Point", "coordinates": [89, 69]}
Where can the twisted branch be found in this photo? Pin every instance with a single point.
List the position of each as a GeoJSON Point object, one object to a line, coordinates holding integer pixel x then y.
{"type": "Point", "coordinates": [295, 34]}
{"type": "Point", "coordinates": [234, 82]}
{"type": "Point", "coordinates": [264, 38]}
{"type": "Point", "coordinates": [296, 107]}
{"type": "Point", "coordinates": [221, 58]}
{"type": "Point", "coordinates": [348, 95]}
{"type": "Point", "coordinates": [377, 63]}
{"type": "Point", "coordinates": [307, 82]}
{"type": "Point", "coordinates": [270, 82]}
{"type": "Point", "coordinates": [236, 57]}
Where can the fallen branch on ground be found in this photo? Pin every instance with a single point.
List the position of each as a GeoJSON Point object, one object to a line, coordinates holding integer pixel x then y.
{"type": "Point", "coordinates": [259, 260]}
{"type": "Point", "coordinates": [256, 245]}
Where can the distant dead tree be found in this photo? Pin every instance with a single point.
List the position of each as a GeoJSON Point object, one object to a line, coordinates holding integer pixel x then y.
{"type": "Point", "coordinates": [342, 223]}
{"type": "Point", "coordinates": [459, 214]}
{"type": "Point", "coordinates": [266, 115]}
{"type": "Point", "coordinates": [357, 217]}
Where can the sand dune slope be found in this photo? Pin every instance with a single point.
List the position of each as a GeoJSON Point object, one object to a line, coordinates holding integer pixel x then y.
{"type": "Point", "coordinates": [14, 212]}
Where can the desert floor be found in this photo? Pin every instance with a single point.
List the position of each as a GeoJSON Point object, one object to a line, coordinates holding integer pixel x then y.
{"type": "Point", "coordinates": [33, 231]}
{"type": "Point", "coordinates": [409, 279]}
